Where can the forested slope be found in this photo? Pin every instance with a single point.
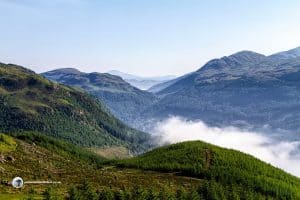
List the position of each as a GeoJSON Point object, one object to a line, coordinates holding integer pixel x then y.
{"type": "Point", "coordinates": [29, 102]}
{"type": "Point", "coordinates": [226, 168]}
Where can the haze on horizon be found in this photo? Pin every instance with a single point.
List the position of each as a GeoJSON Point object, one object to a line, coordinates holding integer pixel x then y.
{"type": "Point", "coordinates": [146, 38]}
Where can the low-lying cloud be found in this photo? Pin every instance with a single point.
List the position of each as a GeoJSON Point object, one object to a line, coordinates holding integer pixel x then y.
{"type": "Point", "coordinates": [279, 153]}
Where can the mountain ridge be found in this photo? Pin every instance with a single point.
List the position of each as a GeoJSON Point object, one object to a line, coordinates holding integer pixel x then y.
{"type": "Point", "coordinates": [226, 92]}
{"type": "Point", "coordinates": [245, 89]}
{"type": "Point", "coordinates": [123, 99]}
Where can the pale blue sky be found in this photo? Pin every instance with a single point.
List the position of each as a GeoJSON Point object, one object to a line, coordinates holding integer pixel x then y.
{"type": "Point", "coordinates": [144, 37]}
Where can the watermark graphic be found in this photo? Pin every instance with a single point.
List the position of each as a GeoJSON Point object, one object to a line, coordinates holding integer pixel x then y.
{"type": "Point", "coordinates": [18, 182]}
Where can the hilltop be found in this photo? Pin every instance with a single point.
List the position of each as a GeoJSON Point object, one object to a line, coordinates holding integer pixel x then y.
{"type": "Point", "coordinates": [242, 173]}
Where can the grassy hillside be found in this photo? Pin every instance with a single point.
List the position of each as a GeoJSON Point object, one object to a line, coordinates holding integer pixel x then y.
{"type": "Point", "coordinates": [29, 102]}
{"type": "Point", "coordinates": [190, 170]}
{"type": "Point", "coordinates": [34, 156]}
{"type": "Point", "coordinates": [228, 168]}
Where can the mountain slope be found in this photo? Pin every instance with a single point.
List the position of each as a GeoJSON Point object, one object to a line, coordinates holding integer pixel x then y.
{"type": "Point", "coordinates": [123, 100]}
{"type": "Point", "coordinates": [185, 171]}
{"type": "Point", "coordinates": [143, 83]}
{"type": "Point", "coordinates": [29, 102]}
{"type": "Point", "coordinates": [244, 89]}
{"type": "Point", "coordinates": [55, 160]}
{"type": "Point", "coordinates": [285, 55]}
{"type": "Point", "coordinates": [226, 167]}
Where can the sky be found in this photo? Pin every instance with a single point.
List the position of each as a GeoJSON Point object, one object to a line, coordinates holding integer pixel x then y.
{"type": "Point", "coordinates": [142, 37]}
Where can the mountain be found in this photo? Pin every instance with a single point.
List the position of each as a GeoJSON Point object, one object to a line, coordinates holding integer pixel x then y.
{"type": "Point", "coordinates": [245, 89]}
{"type": "Point", "coordinates": [189, 170]}
{"type": "Point", "coordinates": [29, 102]}
{"type": "Point", "coordinates": [123, 100]}
{"type": "Point", "coordinates": [143, 83]}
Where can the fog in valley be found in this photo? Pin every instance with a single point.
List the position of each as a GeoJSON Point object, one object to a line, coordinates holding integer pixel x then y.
{"type": "Point", "coordinates": [282, 153]}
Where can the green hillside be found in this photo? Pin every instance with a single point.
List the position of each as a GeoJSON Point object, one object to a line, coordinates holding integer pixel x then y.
{"type": "Point", "coordinates": [29, 102]}
{"type": "Point", "coordinates": [190, 170]}
{"type": "Point", "coordinates": [34, 156]}
{"type": "Point", "coordinates": [228, 168]}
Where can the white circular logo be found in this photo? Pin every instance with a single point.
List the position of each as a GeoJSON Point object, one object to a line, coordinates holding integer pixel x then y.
{"type": "Point", "coordinates": [17, 182]}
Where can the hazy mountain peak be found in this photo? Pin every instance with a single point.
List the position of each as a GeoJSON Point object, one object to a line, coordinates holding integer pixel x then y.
{"type": "Point", "coordinates": [123, 74]}
{"type": "Point", "coordinates": [239, 59]}
{"type": "Point", "coordinates": [67, 70]}
{"type": "Point", "coordinates": [88, 81]}
{"type": "Point", "coordinates": [247, 55]}
{"type": "Point", "coordinates": [290, 54]}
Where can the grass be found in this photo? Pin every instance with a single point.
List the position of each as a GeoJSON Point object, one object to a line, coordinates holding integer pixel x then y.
{"type": "Point", "coordinates": [19, 197]}
{"type": "Point", "coordinates": [189, 165]}
{"type": "Point", "coordinates": [3, 91]}
{"type": "Point", "coordinates": [7, 143]}
{"type": "Point", "coordinates": [56, 162]}
{"type": "Point", "coordinates": [112, 152]}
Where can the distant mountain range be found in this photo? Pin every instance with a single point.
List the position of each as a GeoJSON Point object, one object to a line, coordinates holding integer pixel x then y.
{"type": "Point", "coordinates": [143, 83]}
{"type": "Point", "coordinates": [246, 89]}
{"type": "Point", "coordinates": [124, 100]}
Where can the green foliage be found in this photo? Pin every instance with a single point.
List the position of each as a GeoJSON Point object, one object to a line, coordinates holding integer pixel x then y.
{"type": "Point", "coordinates": [73, 194]}
{"type": "Point", "coordinates": [87, 191]}
{"type": "Point", "coordinates": [31, 194]}
{"type": "Point", "coordinates": [49, 194]}
{"type": "Point", "coordinates": [107, 195]}
{"type": "Point", "coordinates": [221, 167]}
{"type": "Point", "coordinates": [207, 191]}
{"type": "Point", "coordinates": [181, 194]}
{"type": "Point", "coordinates": [194, 195]}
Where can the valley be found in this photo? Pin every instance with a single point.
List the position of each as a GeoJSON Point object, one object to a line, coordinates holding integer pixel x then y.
{"type": "Point", "coordinates": [149, 100]}
{"type": "Point", "coordinates": [246, 90]}
{"type": "Point", "coordinates": [67, 135]}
